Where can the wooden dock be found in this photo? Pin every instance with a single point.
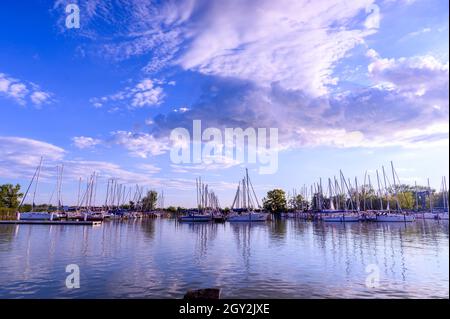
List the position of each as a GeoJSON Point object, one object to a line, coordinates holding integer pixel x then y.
{"type": "Point", "coordinates": [49, 222]}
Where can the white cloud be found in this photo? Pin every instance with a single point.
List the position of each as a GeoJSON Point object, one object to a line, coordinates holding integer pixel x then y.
{"type": "Point", "coordinates": [145, 93]}
{"type": "Point", "coordinates": [19, 158]}
{"type": "Point", "coordinates": [414, 76]}
{"type": "Point", "coordinates": [293, 43]}
{"type": "Point", "coordinates": [40, 97]}
{"type": "Point", "coordinates": [209, 163]}
{"type": "Point", "coordinates": [140, 144]}
{"type": "Point", "coordinates": [83, 142]}
{"type": "Point", "coordinates": [181, 109]}
{"type": "Point", "coordinates": [22, 92]}
{"type": "Point", "coordinates": [149, 168]}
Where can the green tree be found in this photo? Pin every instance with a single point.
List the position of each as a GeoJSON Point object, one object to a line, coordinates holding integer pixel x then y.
{"type": "Point", "coordinates": [172, 209]}
{"type": "Point", "coordinates": [298, 202]}
{"type": "Point", "coordinates": [10, 195]}
{"type": "Point", "coordinates": [275, 201]}
{"type": "Point", "coordinates": [406, 200]}
{"type": "Point", "coordinates": [149, 201]}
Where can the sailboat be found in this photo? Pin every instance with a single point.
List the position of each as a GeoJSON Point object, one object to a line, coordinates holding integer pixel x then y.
{"type": "Point", "coordinates": [86, 212]}
{"type": "Point", "coordinates": [393, 217]}
{"type": "Point", "coordinates": [207, 203]}
{"type": "Point", "coordinates": [34, 215]}
{"type": "Point", "coordinates": [334, 214]}
{"type": "Point", "coordinates": [246, 200]}
{"type": "Point", "coordinates": [428, 214]}
{"type": "Point", "coordinates": [444, 214]}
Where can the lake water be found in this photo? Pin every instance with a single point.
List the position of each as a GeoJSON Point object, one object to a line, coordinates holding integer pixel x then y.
{"type": "Point", "coordinates": [162, 258]}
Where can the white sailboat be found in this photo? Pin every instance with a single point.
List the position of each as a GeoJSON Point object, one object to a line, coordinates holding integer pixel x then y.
{"type": "Point", "coordinates": [334, 214]}
{"type": "Point", "coordinates": [246, 200]}
{"type": "Point", "coordinates": [34, 215]}
{"type": "Point", "coordinates": [207, 205]}
{"type": "Point", "coordinates": [399, 216]}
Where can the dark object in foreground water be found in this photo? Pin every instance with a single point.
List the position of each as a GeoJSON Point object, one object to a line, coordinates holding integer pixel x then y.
{"type": "Point", "coordinates": [208, 293]}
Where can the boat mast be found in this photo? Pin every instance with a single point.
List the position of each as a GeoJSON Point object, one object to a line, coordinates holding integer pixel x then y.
{"type": "Point", "coordinates": [395, 187]}
{"type": "Point", "coordinates": [370, 191]}
{"type": "Point", "coordinates": [364, 191]}
{"type": "Point", "coordinates": [430, 196]}
{"type": "Point", "coordinates": [348, 190]}
{"type": "Point", "coordinates": [59, 187]}
{"type": "Point", "coordinates": [380, 195]}
{"type": "Point", "coordinates": [417, 199]}
{"type": "Point", "coordinates": [337, 192]}
{"type": "Point", "coordinates": [444, 180]}
{"type": "Point", "coordinates": [29, 186]}
{"type": "Point", "coordinates": [36, 185]}
{"type": "Point", "coordinates": [331, 194]}
{"type": "Point", "coordinates": [107, 195]}
{"type": "Point", "coordinates": [388, 206]}
{"type": "Point", "coordinates": [357, 196]}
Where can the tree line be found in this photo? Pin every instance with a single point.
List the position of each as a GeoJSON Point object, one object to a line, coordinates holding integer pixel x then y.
{"type": "Point", "coordinates": [409, 198]}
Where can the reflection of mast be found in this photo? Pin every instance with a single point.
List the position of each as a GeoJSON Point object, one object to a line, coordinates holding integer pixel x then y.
{"type": "Point", "coordinates": [244, 243]}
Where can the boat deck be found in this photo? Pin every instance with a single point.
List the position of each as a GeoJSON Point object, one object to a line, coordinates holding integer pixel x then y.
{"type": "Point", "coordinates": [49, 222]}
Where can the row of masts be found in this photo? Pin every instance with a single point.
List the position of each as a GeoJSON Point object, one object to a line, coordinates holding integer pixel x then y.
{"type": "Point", "coordinates": [342, 194]}
{"type": "Point", "coordinates": [117, 195]}
{"type": "Point", "coordinates": [207, 200]}
{"type": "Point", "coordinates": [245, 197]}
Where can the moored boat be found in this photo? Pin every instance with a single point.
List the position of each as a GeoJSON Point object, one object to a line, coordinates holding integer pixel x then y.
{"type": "Point", "coordinates": [341, 218]}
{"type": "Point", "coordinates": [395, 218]}
{"type": "Point", "coordinates": [425, 215]}
{"type": "Point", "coordinates": [195, 218]}
{"type": "Point", "coordinates": [245, 201]}
{"type": "Point", "coordinates": [442, 216]}
{"type": "Point", "coordinates": [36, 216]}
{"type": "Point", "coordinates": [248, 217]}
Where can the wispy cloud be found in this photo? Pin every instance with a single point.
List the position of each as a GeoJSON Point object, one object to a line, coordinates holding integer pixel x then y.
{"type": "Point", "coordinates": [408, 100]}
{"type": "Point", "coordinates": [293, 43]}
{"type": "Point", "coordinates": [145, 93]}
{"type": "Point", "coordinates": [83, 142]}
{"type": "Point", "coordinates": [272, 65]}
{"type": "Point", "coordinates": [138, 144]}
{"type": "Point", "coordinates": [19, 158]}
{"type": "Point", "coordinates": [23, 92]}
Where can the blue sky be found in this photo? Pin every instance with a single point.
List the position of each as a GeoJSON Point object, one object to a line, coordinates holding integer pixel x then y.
{"type": "Point", "coordinates": [349, 85]}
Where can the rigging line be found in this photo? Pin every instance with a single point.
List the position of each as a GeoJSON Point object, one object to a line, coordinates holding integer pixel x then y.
{"type": "Point", "coordinates": [254, 194]}
{"type": "Point", "coordinates": [29, 186]}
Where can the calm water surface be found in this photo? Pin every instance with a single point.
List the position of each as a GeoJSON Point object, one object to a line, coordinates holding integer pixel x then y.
{"type": "Point", "coordinates": [280, 259]}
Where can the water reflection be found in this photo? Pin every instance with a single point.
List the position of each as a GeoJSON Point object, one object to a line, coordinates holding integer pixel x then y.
{"type": "Point", "coordinates": [284, 258]}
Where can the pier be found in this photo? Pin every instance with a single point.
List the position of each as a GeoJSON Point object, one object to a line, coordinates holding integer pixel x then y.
{"type": "Point", "coordinates": [50, 222]}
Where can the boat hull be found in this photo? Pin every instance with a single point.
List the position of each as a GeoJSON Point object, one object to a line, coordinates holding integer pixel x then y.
{"type": "Point", "coordinates": [36, 216]}
{"type": "Point", "coordinates": [395, 218]}
{"type": "Point", "coordinates": [195, 218]}
{"type": "Point", "coordinates": [248, 217]}
{"type": "Point", "coordinates": [427, 215]}
{"type": "Point", "coordinates": [341, 219]}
